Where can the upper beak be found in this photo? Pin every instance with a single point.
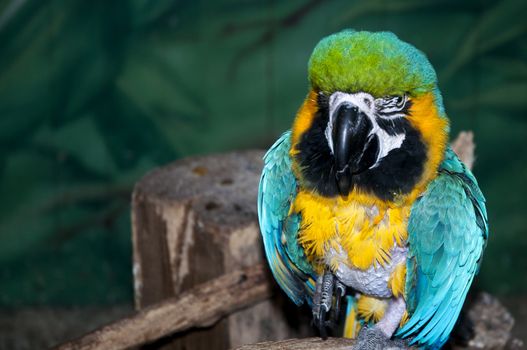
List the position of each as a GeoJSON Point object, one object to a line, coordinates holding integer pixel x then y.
{"type": "Point", "coordinates": [354, 147]}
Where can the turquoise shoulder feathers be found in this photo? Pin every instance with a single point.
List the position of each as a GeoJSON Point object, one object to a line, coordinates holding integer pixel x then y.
{"type": "Point", "coordinates": [447, 232]}
{"type": "Point", "coordinates": [279, 229]}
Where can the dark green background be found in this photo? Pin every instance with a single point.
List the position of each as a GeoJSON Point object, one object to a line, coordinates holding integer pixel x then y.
{"type": "Point", "coordinates": [93, 94]}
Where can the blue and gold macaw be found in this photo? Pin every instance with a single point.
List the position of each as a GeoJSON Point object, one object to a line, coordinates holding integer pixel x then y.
{"type": "Point", "coordinates": [363, 200]}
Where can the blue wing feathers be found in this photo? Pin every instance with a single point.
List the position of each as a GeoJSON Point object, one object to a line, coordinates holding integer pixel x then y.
{"type": "Point", "coordinates": [279, 230]}
{"type": "Point", "coordinates": [447, 233]}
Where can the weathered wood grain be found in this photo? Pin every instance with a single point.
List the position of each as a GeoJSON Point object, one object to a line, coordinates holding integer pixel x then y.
{"type": "Point", "coordinates": [201, 306]}
{"type": "Point", "coordinates": [302, 344]}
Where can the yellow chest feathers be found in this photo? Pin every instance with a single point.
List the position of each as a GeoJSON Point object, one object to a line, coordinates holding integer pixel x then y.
{"type": "Point", "coordinates": [365, 231]}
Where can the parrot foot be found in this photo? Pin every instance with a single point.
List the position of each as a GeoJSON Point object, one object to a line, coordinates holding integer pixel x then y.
{"type": "Point", "coordinates": [379, 336]}
{"type": "Point", "coordinates": [326, 288]}
{"type": "Point", "coordinates": [373, 338]}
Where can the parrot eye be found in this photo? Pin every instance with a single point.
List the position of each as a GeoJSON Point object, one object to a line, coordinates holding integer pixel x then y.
{"type": "Point", "coordinates": [391, 107]}
{"type": "Point", "coordinates": [400, 101]}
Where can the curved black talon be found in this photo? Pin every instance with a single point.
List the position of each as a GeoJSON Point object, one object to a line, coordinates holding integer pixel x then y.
{"type": "Point", "coordinates": [340, 291]}
{"type": "Point", "coordinates": [328, 291]}
{"type": "Point", "coordinates": [322, 324]}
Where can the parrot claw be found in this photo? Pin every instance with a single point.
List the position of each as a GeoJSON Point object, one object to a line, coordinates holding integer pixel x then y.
{"type": "Point", "coordinates": [340, 291]}
{"type": "Point", "coordinates": [320, 323]}
{"type": "Point", "coordinates": [327, 287]}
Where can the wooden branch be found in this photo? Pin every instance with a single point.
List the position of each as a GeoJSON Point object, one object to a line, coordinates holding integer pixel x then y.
{"type": "Point", "coordinates": [303, 344]}
{"type": "Point", "coordinates": [201, 306]}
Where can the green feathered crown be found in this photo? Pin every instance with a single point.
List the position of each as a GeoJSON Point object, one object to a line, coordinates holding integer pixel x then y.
{"type": "Point", "coordinates": [377, 63]}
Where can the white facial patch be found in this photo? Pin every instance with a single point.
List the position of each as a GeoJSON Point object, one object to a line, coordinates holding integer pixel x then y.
{"type": "Point", "coordinates": [366, 103]}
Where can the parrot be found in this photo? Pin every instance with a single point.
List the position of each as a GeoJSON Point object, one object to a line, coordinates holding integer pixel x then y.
{"type": "Point", "coordinates": [365, 212]}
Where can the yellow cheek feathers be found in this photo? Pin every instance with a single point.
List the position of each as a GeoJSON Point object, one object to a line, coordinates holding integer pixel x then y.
{"type": "Point", "coordinates": [304, 117]}
{"type": "Point", "coordinates": [303, 121]}
{"type": "Point", "coordinates": [433, 128]}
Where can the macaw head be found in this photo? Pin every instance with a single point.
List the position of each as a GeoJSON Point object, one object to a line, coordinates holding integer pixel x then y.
{"type": "Point", "coordinates": [373, 121]}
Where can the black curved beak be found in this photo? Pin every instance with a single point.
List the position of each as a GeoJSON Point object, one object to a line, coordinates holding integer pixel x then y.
{"type": "Point", "coordinates": [355, 150]}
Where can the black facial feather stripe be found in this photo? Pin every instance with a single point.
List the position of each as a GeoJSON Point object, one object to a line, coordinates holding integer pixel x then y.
{"type": "Point", "coordinates": [314, 156]}
{"type": "Point", "coordinates": [397, 173]}
{"type": "Point", "coordinates": [392, 126]}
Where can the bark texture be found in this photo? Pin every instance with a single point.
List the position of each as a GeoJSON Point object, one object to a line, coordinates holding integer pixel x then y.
{"type": "Point", "coordinates": [201, 306]}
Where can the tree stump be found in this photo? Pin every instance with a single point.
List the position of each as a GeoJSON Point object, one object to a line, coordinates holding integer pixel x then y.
{"type": "Point", "coordinates": [195, 220]}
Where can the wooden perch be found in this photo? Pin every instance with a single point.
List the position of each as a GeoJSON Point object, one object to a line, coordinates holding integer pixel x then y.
{"type": "Point", "coordinates": [302, 344]}
{"type": "Point", "coordinates": [201, 306]}
{"type": "Point", "coordinates": [489, 319]}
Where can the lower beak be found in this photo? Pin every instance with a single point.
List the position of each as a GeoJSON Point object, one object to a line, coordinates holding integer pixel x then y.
{"type": "Point", "coordinates": [354, 147]}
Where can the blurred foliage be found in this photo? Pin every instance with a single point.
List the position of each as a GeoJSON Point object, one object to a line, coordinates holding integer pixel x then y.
{"type": "Point", "coordinates": [94, 94]}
